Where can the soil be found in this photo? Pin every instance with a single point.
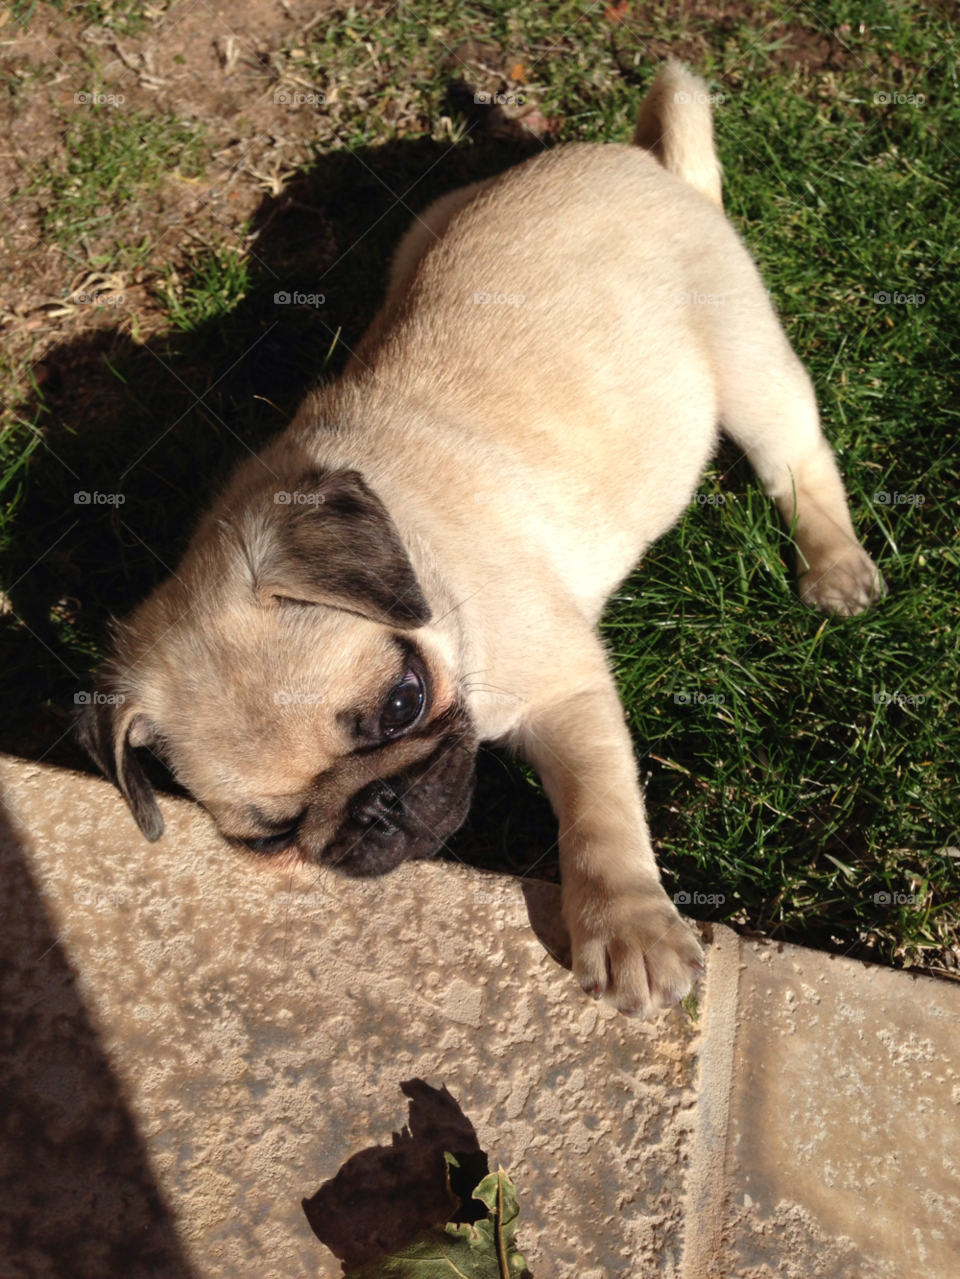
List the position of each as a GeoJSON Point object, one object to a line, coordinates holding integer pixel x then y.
{"type": "Point", "coordinates": [219, 67]}
{"type": "Point", "coordinates": [214, 67]}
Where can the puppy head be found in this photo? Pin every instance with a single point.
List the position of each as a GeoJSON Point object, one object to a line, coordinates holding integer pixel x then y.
{"type": "Point", "coordinates": [284, 677]}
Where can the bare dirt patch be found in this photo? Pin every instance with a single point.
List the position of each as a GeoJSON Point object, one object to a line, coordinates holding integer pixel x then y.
{"type": "Point", "coordinates": [218, 70]}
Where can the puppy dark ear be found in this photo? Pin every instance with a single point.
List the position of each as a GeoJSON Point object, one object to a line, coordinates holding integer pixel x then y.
{"type": "Point", "coordinates": [332, 541]}
{"type": "Point", "coordinates": [110, 732]}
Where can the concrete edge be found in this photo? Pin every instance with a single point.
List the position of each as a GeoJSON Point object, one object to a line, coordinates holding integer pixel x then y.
{"type": "Point", "coordinates": [706, 1180]}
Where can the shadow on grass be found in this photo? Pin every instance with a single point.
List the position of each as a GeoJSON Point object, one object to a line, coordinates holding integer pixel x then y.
{"type": "Point", "coordinates": [161, 425]}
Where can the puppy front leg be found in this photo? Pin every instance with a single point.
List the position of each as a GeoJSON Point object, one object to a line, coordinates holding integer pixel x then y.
{"type": "Point", "coordinates": [629, 942]}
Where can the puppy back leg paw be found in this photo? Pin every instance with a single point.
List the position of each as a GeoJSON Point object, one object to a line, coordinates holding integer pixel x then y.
{"type": "Point", "coordinates": [845, 583]}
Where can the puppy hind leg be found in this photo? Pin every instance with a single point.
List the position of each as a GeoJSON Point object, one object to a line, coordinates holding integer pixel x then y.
{"type": "Point", "coordinates": [768, 407]}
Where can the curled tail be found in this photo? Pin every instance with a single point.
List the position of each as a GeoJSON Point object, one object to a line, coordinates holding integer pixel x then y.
{"type": "Point", "coordinates": [675, 124]}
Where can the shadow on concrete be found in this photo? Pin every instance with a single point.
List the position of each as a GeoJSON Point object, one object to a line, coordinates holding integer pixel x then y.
{"type": "Point", "coordinates": [77, 1197]}
{"type": "Point", "coordinates": [543, 910]}
{"type": "Point", "coordinates": [382, 1196]}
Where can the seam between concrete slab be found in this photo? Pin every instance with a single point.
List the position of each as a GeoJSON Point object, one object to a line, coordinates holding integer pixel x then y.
{"type": "Point", "coordinates": [706, 1180]}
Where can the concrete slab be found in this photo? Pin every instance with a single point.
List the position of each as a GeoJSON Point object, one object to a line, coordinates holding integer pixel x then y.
{"type": "Point", "coordinates": [192, 1046]}
{"type": "Point", "coordinates": [838, 1084]}
{"type": "Point", "coordinates": [197, 1045]}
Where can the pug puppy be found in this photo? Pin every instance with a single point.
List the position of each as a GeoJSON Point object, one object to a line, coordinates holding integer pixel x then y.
{"type": "Point", "coordinates": [420, 561]}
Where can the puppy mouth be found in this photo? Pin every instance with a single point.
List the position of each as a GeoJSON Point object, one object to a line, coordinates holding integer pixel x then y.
{"type": "Point", "coordinates": [376, 836]}
{"type": "Point", "coordinates": [403, 818]}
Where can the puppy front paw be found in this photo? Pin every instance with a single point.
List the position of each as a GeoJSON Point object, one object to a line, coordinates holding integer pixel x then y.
{"type": "Point", "coordinates": [631, 947]}
{"type": "Point", "coordinates": [847, 582]}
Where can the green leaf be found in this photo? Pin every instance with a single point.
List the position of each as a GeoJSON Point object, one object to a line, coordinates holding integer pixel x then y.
{"type": "Point", "coordinates": [485, 1250]}
{"type": "Point", "coordinates": [847, 870]}
{"type": "Point", "coordinates": [499, 1194]}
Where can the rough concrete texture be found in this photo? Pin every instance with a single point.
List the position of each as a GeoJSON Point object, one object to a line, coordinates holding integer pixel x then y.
{"type": "Point", "coordinates": [185, 1056]}
{"type": "Point", "coordinates": [249, 1046]}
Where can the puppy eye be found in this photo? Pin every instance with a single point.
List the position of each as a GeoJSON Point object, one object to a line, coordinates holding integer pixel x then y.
{"type": "Point", "coordinates": [403, 705]}
{"type": "Point", "coordinates": [270, 843]}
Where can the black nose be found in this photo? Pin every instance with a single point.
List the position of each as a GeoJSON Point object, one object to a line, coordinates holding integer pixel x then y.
{"type": "Point", "coordinates": [377, 806]}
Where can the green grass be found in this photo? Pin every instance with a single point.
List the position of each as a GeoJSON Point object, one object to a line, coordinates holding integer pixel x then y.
{"type": "Point", "coordinates": [17, 446]}
{"type": "Point", "coordinates": [804, 793]}
{"type": "Point", "coordinates": [217, 285]}
{"type": "Point", "coordinates": [111, 158]}
{"type": "Point", "coordinates": [125, 17]}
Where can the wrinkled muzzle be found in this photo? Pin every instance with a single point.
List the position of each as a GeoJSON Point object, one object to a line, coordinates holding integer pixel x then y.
{"type": "Point", "coordinates": [409, 815]}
